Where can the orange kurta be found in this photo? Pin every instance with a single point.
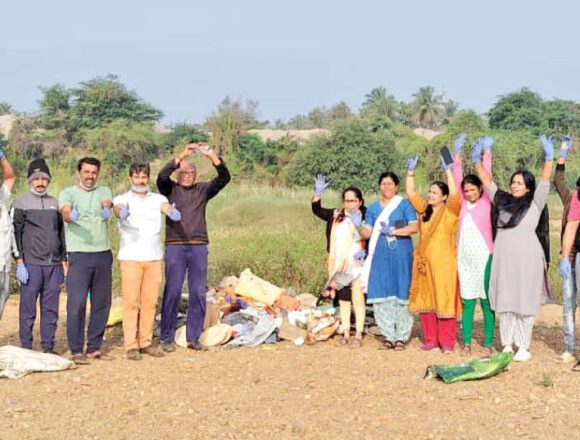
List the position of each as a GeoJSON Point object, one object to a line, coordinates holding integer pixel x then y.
{"type": "Point", "coordinates": [434, 282]}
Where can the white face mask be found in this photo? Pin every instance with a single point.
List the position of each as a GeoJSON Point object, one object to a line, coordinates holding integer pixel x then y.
{"type": "Point", "coordinates": [84, 187]}
{"type": "Point", "coordinates": [139, 189]}
{"type": "Point", "coordinates": [33, 191]}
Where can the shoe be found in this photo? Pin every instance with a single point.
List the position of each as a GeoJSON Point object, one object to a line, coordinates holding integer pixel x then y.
{"type": "Point", "coordinates": [168, 347]}
{"type": "Point", "coordinates": [80, 359]}
{"type": "Point", "coordinates": [355, 342]}
{"type": "Point", "coordinates": [565, 358]}
{"type": "Point", "coordinates": [446, 350]}
{"type": "Point", "coordinates": [428, 347]}
{"type": "Point", "coordinates": [153, 351]}
{"type": "Point", "coordinates": [466, 350]}
{"type": "Point", "coordinates": [196, 345]}
{"type": "Point", "coordinates": [98, 354]}
{"type": "Point", "coordinates": [400, 345]}
{"type": "Point", "coordinates": [508, 349]}
{"type": "Point", "coordinates": [522, 355]}
{"type": "Point", "coordinates": [51, 351]}
{"type": "Point", "coordinates": [134, 355]}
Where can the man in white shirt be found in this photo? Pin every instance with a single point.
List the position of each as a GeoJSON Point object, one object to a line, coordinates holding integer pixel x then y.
{"type": "Point", "coordinates": [6, 231]}
{"type": "Point", "coordinates": [140, 254]}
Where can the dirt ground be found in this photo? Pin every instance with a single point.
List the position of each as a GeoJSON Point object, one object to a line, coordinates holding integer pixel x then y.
{"type": "Point", "coordinates": [283, 391]}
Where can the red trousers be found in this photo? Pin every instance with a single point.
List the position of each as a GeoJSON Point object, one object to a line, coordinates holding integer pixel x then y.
{"type": "Point", "coordinates": [442, 332]}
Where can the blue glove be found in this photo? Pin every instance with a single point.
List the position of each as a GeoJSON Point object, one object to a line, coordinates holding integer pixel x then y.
{"type": "Point", "coordinates": [124, 212]}
{"type": "Point", "coordinates": [444, 165]}
{"type": "Point", "coordinates": [320, 184]}
{"type": "Point", "coordinates": [548, 146]}
{"type": "Point", "coordinates": [174, 214]}
{"type": "Point", "coordinates": [488, 142]}
{"type": "Point", "coordinates": [105, 213]}
{"type": "Point", "coordinates": [22, 273]}
{"type": "Point", "coordinates": [411, 163]}
{"type": "Point", "coordinates": [384, 228]}
{"type": "Point", "coordinates": [2, 155]}
{"type": "Point", "coordinates": [355, 218]}
{"type": "Point", "coordinates": [476, 148]}
{"type": "Point", "coordinates": [565, 149]}
{"type": "Point", "coordinates": [459, 143]}
{"type": "Point", "coordinates": [565, 268]}
{"type": "Point", "coordinates": [360, 255]}
{"type": "Point", "coordinates": [74, 214]}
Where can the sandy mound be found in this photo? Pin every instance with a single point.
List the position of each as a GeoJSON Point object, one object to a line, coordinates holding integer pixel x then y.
{"type": "Point", "coordinates": [300, 135]}
{"type": "Point", "coordinates": [6, 122]}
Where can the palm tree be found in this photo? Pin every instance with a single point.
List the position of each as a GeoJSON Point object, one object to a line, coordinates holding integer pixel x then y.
{"type": "Point", "coordinates": [378, 102]}
{"type": "Point", "coordinates": [428, 107]}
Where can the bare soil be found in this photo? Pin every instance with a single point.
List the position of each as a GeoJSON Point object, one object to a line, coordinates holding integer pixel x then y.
{"type": "Point", "coordinates": [283, 391]}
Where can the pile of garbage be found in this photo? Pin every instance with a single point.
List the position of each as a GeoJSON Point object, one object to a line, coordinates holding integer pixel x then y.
{"type": "Point", "coordinates": [248, 311]}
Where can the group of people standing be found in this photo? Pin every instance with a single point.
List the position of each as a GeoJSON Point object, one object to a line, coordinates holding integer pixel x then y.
{"type": "Point", "coordinates": [66, 240]}
{"type": "Point", "coordinates": [476, 242]}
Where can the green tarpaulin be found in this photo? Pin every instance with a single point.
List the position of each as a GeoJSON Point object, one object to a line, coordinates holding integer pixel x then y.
{"type": "Point", "coordinates": [478, 368]}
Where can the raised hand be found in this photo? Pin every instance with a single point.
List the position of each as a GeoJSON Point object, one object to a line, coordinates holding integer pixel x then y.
{"type": "Point", "coordinates": [360, 255]}
{"type": "Point", "coordinates": [74, 214]}
{"type": "Point", "coordinates": [22, 273]}
{"type": "Point", "coordinates": [459, 143]}
{"type": "Point", "coordinates": [476, 149]}
{"type": "Point", "coordinates": [320, 184]}
{"type": "Point", "coordinates": [124, 212]}
{"type": "Point", "coordinates": [355, 218]}
{"type": "Point", "coordinates": [446, 166]}
{"type": "Point", "coordinates": [174, 214]}
{"type": "Point", "coordinates": [411, 163]}
{"type": "Point", "coordinates": [487, 142]}
{"type": "Point", "coordinates": [566, 145]}
{"type": "Point", "coordinates": [565, 268]}
{"type": "Point", "coordinates": [548, 146]}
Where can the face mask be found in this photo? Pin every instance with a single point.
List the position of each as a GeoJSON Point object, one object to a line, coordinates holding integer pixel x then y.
{"type": "Point", "coordinates": [139, 189]}
{"type": "Point", "coordinates": [84, 187]}
{"type": "Point", "coordinates": [33, 191]}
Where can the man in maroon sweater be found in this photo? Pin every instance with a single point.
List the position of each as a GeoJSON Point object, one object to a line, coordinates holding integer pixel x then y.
{"type": "Point", "coordinates": [186, 242]}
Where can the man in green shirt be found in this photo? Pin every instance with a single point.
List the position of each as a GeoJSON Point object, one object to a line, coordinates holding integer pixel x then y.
{"type": "Point", "coordinates": [86, 209]}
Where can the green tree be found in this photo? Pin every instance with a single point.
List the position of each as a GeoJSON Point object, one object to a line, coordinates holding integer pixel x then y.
{"type": "Point", "coordinates": [518, 110]}
{"type": "Point", "coordinates": [122, 142]}
{"type": "Point", "coordinates": [54, 107]}
{"type": "Point", "coordinates": [427, 108]}
{"type": "Point", "coordinates": [5, 108]}
{"type": "Point", "coordinates": [379, 102]}
{"type": "Point", "coordinates": [101, 100]}
{"type": "Point", "coordinates": [355, 153]}
{"type": "Point", "coordinates": [182, 134]}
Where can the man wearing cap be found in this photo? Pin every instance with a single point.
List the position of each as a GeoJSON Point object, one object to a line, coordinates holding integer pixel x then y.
{"type": "Point", "coordinates": [86, 209]}
{"type": "Point", "coordinates": [186, 242]}
{"type": "Point", "coordinates": [140, 253]}
{"type": "Point", "coordinates": [6, 232]}
{"type": "Point", "coordinates": [39, 234]}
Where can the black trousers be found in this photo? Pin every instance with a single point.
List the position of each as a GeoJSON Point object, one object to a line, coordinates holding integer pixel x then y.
{"type": "Point", "coordinates": [88, 272]}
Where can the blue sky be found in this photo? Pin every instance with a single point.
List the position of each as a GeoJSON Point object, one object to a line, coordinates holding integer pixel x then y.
{"type": "Point", "coordinates": [184, 57]}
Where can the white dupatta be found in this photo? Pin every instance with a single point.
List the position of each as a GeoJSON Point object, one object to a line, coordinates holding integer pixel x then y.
{"type": "Point", "coordinates": [383, 217]}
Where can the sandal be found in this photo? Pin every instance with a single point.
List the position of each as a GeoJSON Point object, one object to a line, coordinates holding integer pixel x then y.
{"type": "Point", "coordinates": [400, 345]}
{"type": "Point", "coordinates": [486, 351]}
{"type": "Point", "coordinates": [100, 356]}
{"type": "Point", "coordinates": [576, 366]}
{"type": "Point", "coordinates": [342, 341]}
{"type": "Point", "coordinates": [80, 359]}
{"type": "Point", "coordinates": [387, 345]}
{"type": "Point", "coordinates": [466, 350]}
{"type": "Point", "coordinates": [355, 343]}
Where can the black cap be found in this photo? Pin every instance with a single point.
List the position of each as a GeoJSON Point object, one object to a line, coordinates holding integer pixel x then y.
{"type": "Point", "coordinates": [38, 168]}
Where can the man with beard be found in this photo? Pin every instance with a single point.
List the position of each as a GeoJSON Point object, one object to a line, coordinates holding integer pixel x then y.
{"type": "Point", "coordinates": [86, 209]}
{"type": "Point", "coordinates": [39, 234]}
{"type": "Point", "coordinates": [140, 253]}
{"type": "Point", "coordinates": [186, 242]}
{"type": "Point", "coordinates": [6, 235]}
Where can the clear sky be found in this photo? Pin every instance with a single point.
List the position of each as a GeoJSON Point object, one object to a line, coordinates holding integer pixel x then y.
{"type": "Point", "coordinates": [185, 56]}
